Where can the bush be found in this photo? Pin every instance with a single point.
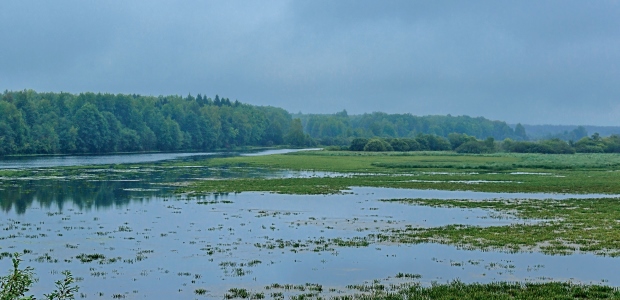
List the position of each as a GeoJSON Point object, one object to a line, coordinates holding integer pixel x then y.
{"type": "Point", "coordinates": [399, 145]}
{"type": "Point", "coordinates": [17, 284]}
{"type": "Point", "coordinates": [413, 144]}
{"type": "Point", "coordinates": [377, 145]}
{"type": "Point", "coordinates": [358, 144]}
{"type": "Point", "coordinates": [473, 147]}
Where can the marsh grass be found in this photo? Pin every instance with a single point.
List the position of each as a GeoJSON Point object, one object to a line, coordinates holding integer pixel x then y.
{"type": "Point", "coordinates": [562, 227]}
{"type": "Point", "coordinates": [578, 182]}
{"type": "Point", "coordinates": [578, 173]}
{"type": "Point", "coordinates": [495, 290]}
{"type": "Point", "coordinates": [410, 288]}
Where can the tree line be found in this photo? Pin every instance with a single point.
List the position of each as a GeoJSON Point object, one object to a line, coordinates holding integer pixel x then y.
{"type": "Point", "coordinates": [65, 123]}
{"type": "Point", "coordinates": [340, 128]}
{"type": "Point", "coordinates": [46, 123]}
{"type": "Point", "coordinates": [463, 143]}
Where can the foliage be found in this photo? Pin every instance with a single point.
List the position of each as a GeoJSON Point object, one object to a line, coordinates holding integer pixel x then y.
{"type": "Point", "coordinates": [15, 285]}
{"type": "Point", "coordinates": [377, 145]}
{"type": "Point", "coordinates": [473, 147]}
{"type": "Point", "coordinates": [422, 142]}
{"type": "Point", "coordinates": [357, 144]}
{"type": "Point", "coordinates": [463, 143]}
{"type": "Point", "coordinates": [50, 123]}
{"type": "Point", "coordinates": [403, 125]}
{"type": "Point", "coordinates": [64, 288]}
{"type": "Point", "coordinates": [297, 137]}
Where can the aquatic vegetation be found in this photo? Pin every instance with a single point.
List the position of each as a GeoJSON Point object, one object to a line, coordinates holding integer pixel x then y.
{"type": "Point", "coordinates": [579, 173]}
{"type": "Point", "coordinates": [564, 227]}
{"type": "Point", "coordinates": [495, 290]}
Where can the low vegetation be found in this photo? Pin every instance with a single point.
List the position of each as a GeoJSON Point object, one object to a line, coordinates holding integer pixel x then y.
{"type": "Point", "coordinates": [556, 227]}
{"type": "Point", "coordinates": [503, 172]}
{"type": "Point", "coordinates": [16, 285]}
{"type": "Point", "coordinates": [463, 143]}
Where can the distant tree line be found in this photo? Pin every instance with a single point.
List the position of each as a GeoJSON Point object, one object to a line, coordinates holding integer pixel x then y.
{"type": "Point", "coordinates": [340, 128]}
{"type": "Point", "coordinates": [46, 123]}
{"type": "Point", "coordinates": [567, 132]}
{"type": "Point", "coordinates": [463, 143]}
{"type": "Point", "coordinates": [64, 123]}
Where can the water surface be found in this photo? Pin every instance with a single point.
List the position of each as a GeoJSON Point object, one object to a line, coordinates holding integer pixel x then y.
{"type": "Point", "coordinates": [160, 245]}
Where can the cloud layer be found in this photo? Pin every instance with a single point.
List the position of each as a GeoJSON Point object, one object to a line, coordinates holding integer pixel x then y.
{"type": "Point", "coordinates": [537, 62]}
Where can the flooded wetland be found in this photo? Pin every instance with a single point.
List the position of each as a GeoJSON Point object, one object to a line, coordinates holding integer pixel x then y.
{"type": "Point", "coordinates": [314, 224]}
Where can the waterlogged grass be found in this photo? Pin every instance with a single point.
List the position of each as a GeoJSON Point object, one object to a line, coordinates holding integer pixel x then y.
{"type": "Point", "coordinates": [496, 290]}
{"type": "Point", "coordinates": [359, 162]}
{"type": "Point", "coordinates": [579, 182]}
{"type": "Point", "coordinates": [563, 227]}
{"type": "Point", "coordinates": [391, 162]}
{"type": "Point", "coordinates": [412, 289]}
{"type": "Point", "coordinates": [579, 173]}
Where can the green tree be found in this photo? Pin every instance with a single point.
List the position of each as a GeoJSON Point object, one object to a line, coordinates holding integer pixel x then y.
{"type": "Point", "coordinates": [296, 136]}
{"type": "Point", "coordinates": [520, 132]}
{"type": "Point", "coordinates": [92, 131]}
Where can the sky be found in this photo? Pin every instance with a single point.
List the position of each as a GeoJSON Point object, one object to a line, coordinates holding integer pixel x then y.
{"type": "Point", "coordinates": [530, 61]}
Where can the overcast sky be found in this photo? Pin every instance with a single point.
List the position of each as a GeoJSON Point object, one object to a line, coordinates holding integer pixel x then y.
{"type": "Point", "coordinates": [534, 62]}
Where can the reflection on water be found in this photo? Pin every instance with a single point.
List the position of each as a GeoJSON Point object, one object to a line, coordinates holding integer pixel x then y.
{"type": "Point", "coordinates": [80, 194]}
{"type": "Point", "coordinates": [29, 162]}
{"type": "Point", "coordinates": [82, 160]}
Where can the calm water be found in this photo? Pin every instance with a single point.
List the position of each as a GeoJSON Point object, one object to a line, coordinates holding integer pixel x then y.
{"type": "Point", "coordinates": [157, 245]}
{"type": "Point", "coordinates": [27, 162]}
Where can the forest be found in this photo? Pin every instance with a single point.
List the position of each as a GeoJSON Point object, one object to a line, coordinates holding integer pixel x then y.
{"type": "Point", "coordinates": [337, 129]}
{"type": "Point", "coordinates": [49, 123]}
{"type": "Point", "coordinates": [65, 123]}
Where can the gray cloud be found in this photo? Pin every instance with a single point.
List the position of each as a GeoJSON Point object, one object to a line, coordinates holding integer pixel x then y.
{"type": "Point", "coordinates": [524, 61]}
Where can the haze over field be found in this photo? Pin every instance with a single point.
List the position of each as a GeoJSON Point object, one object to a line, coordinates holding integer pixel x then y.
{"type": "Point", "coordinates": [536, 62]}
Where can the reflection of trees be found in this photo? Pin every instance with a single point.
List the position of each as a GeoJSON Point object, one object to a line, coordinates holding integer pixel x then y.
{"type": "Point", "coordinates": [84, 195]}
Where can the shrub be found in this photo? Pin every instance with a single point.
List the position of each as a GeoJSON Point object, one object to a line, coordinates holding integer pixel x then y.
{"type": "Point", "coordinates": [358, 144]}
{"type": "Point", "coordinates": [377, 145]}
{"type": "Point", "coordinates": [473, 147]}
{"type": "Point", "coordinates": [399, 145]}
{"type": "Point", "coordinates": [18, 283]}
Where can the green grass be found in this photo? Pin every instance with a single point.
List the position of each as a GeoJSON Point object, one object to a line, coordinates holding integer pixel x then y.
{"type": "Point", "coordinates": [563, 227]}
